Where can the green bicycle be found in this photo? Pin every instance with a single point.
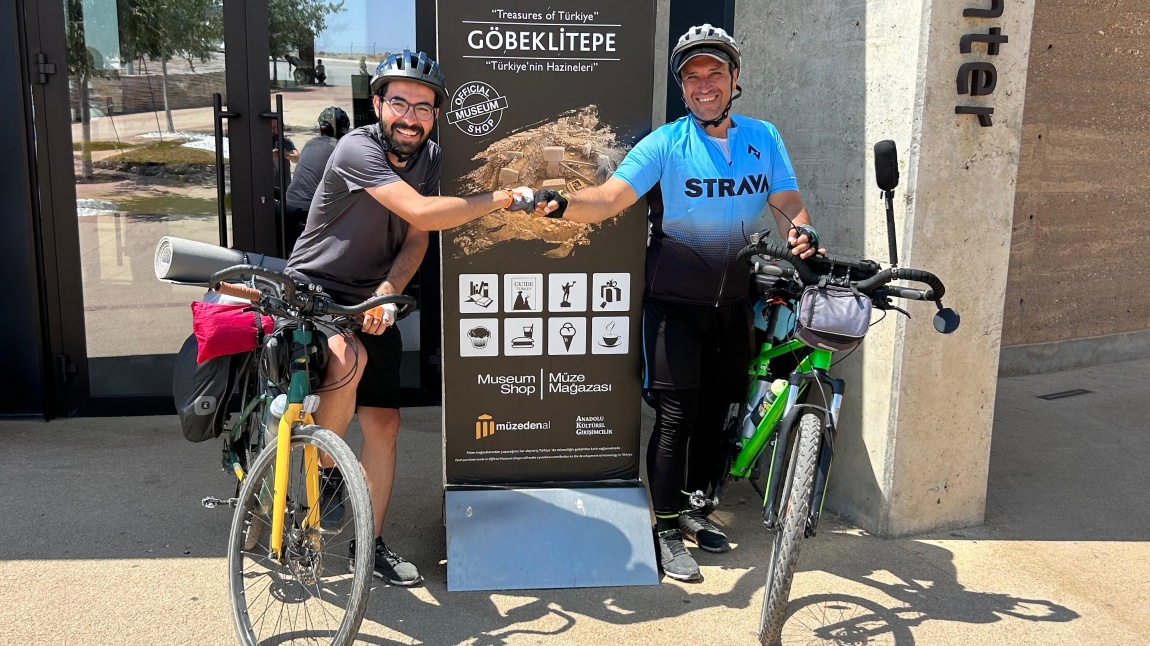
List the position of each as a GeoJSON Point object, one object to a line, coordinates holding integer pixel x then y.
{"type": "Point", "coordinates": [288, 556]}
{"type": "Point", "coordinates": [809, 310]}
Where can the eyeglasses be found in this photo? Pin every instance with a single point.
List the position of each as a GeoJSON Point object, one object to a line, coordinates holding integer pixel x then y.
{"type": "Point", "coordinates": [399, 107]}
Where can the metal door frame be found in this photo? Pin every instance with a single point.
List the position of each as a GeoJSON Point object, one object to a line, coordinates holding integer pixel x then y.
{"type": "Point", "coordinates": [53, 182]}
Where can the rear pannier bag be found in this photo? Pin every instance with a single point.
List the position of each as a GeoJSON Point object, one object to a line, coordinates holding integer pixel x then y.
{"type": "Point", "coordinates": [202, 390]}
{"type": "Point", "coordinates": [832, 318]}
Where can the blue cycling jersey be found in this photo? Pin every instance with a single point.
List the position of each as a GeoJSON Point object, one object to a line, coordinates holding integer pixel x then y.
{"type": "Point", "coordinates": [701, 207]}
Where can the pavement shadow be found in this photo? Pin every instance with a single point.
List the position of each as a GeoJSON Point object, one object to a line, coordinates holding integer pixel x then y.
{"type": "Point", "coordinates": [920, 581]}
{"type": "Point", "coordinates": [425, 615]}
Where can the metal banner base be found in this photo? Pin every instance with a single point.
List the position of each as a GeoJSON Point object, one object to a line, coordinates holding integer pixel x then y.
{"type": "Point", "coordinates": [530, 538]}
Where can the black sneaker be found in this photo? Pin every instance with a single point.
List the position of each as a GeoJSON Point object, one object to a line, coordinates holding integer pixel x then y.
{"type": "Point", "coordinates": [330, 499]}
{"type": "Point", "coordinates": [675, 559]}
{"type": "Point", "coordinates": [389, 566]}
{"type": "Point", "coordinates": [698, 529]}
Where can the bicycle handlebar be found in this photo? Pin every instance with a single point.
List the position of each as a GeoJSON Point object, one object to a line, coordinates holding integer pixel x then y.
{"type": "Point", "coordinates": [865, 274]}
{"type": "Point", "coordinates": [307, 299]}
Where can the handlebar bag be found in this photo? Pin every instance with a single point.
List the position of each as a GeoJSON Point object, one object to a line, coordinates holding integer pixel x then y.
{"type": "Point", "coordinates": [832, 318]}
{"type": "Point", "coordinates": [202, 389]}
{"type": "Point", "coordinates": [227, 328]}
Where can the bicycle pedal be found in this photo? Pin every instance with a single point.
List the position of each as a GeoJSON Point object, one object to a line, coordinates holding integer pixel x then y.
{"type": "Point", "coordinates": [211, 502]}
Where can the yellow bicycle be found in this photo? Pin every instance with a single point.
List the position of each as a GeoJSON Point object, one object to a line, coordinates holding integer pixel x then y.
{"type": "Point", "coordinates": [297, 570]}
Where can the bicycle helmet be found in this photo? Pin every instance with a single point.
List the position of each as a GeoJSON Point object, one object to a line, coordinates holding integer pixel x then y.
{"type": "Point", "coordinates": [410, 67]}
{"type": "Point", "coordinates": [704, 40]}
{"type": "Point", "coordinates": [333, 122]}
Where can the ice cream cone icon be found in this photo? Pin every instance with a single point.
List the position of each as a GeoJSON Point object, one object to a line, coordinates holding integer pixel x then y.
{"type": "Point", "coordinates": [567, 331]}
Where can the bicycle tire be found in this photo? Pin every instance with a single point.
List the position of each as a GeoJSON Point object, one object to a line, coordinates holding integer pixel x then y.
{"type": "Point", "coordinates": [308, 578]}
{"type": "Point", "coordinates": [785, 552]}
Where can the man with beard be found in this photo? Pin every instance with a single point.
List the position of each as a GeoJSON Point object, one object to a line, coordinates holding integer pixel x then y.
{"type": "Point", "coordinates": [366, 234]}
{"type": "Point", "coordinates": [710, 178]}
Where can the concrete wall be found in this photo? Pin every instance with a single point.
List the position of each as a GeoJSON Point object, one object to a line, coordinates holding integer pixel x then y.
{"type": "Point", "coordinates": [1080, 211]}
{"type": "Point", "coordinates": [836, 77]}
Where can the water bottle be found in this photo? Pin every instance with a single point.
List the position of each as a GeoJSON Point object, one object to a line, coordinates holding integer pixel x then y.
{"type": "Point", "coordinates": [275, 412]}
{"type": "Point", "coordinates": [762, 396]}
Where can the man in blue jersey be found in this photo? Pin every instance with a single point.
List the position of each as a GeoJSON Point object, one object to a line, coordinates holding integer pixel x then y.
{"type": "Point", "coordinates": [711, 179]}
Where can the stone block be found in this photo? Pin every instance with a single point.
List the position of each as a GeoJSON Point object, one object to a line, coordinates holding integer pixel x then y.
{"type": "Point", "coordinates": [555, 184]}
{"type": "Point", "coordinates": [554, 169]}
{"type": "Point", "coordinates": [508, 177]}
{"type": "Point", "coordinates": [553, 153]}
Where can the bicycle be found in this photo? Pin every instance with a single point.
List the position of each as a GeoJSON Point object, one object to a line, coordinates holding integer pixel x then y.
{"type": "Point", "coordinates": [776, 430]}
{"type": "Point", "coordinates": [280, 551]}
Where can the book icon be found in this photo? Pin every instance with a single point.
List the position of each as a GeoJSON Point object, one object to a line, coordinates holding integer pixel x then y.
{"type": "Point", "coordinates": [479, 294]}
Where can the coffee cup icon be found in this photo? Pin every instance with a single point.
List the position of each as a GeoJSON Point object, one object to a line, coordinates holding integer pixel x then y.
{"type": "Point", "coordinates": [609, 339]}
{"type": "Point", "coordinates": [479, 336]}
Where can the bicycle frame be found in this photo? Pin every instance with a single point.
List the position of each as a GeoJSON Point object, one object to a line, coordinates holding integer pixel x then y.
{"type": "Point", "coordinates": [778, 421]}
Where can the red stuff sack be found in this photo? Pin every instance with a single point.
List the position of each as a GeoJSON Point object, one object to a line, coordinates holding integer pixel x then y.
{"type": "Point", "coordinates": [225, 328]}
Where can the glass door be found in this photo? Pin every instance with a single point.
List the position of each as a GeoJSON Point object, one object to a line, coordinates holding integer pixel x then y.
{"type": "Point", "coordinates": [127, 115]}
{"type": "Point", "coordinates": [141, 80]}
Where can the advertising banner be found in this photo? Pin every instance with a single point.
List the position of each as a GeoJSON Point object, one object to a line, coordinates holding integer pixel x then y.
{"type": "Point", "coordinates": [541, 355]}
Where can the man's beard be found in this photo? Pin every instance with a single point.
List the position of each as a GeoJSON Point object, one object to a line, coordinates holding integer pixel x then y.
{"type": "Point", "coordinates": [404, 147]}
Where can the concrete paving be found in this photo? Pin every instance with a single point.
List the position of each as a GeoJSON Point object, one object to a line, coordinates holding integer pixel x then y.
{"type": "Point", "coordinates": [105, 542]}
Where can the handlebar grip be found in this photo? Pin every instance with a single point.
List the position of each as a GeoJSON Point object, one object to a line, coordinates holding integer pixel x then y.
{"type": "Point", "coordinates": [240, 291]}
{"type": "Point", "coordinates": [272, 275]}
{"type": "Point", "coordinates": [937, 289]}
{"type": "Point", "coordinates": [908, 293]}
{"type": "Point", "coordinates": [806, 275]}
{"type": "Point", "coordinates": [928, 278]}
{"type": "Point", "coordinates": [405, 306]}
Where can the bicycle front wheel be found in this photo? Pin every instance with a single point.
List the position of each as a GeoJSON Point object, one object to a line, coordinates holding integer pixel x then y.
{"type": "Point", "coordinates": [307, 595]}
{"type": "Point", "coordinates": [792, 524]}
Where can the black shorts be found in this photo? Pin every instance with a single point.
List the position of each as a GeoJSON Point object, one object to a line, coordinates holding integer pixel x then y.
{"type": "Point", "coordinates": [686, 345]}
{"type": "Point", "coordinates": [379, 386]}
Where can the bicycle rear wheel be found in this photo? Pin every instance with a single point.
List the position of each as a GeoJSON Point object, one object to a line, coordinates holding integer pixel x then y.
{"type": "Point", "coordinates": [308, 595]}
{"type": "Point", "coordinates": [785, 553]}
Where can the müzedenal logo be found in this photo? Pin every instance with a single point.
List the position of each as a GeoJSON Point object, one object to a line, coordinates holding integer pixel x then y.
{"type": "Point", "coordinates": [476, 108]}
{"type": "Point", "coordinates": [725, 187]}
{"type": "Point", "coordinates": [485, 426]}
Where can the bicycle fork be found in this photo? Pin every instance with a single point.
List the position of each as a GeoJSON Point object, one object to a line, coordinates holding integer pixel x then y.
{"type": "Point", "coordinates": [776, 480]}
{"type": "Point", "coordinates": [297, 412]}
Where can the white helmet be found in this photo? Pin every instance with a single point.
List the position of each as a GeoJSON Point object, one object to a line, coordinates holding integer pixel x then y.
{"type": "Point", "coordinates": [704, 40]}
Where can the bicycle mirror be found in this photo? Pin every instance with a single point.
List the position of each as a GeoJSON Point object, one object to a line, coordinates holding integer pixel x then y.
{"type": "Point", "coordinates": [946, 320]}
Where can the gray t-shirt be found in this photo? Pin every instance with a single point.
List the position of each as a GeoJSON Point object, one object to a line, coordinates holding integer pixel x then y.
{"type": "Point", "coordinates": [308, 171]}
{"type": "Point", "coordinates": [351, 240]}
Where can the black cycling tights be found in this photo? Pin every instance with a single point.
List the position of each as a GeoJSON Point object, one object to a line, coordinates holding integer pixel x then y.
{"type": "Point", "coordinates": [688, 424]}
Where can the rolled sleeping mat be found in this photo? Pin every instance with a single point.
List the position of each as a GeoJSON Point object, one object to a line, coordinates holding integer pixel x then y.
{"type": "Point", "coordinates": [183, 261]}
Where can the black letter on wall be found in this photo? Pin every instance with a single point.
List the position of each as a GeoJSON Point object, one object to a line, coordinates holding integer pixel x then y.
{"type": "Point", "coordinates": [994, 11]}
{"type": "Point", "coordinates": [992, 40]}
{"type": "Point", "coordinates": [983, 113]}
{"type": "Point", "coordinates": [977, 79]}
